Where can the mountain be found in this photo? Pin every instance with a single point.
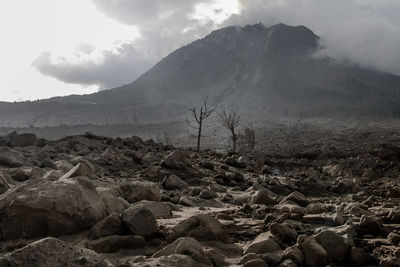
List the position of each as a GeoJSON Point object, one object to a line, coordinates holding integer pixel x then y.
{"type": "Point", "coordinates": [267, 71]}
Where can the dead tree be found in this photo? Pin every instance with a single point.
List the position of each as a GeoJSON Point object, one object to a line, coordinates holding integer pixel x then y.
{"type": "Point", "coordinates": [229, 117]}
{"type": "Point", "coordinates": [199, 117]}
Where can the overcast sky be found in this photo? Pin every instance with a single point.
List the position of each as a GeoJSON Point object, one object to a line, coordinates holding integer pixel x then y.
{"type": "Point", "coordinates": [61, 47]}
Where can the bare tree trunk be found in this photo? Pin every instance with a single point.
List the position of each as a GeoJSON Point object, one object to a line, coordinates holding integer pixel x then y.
{"type": "Point", "coordinates": [200, 126]}
{"type": "Point", "coordinates": [234, 137]}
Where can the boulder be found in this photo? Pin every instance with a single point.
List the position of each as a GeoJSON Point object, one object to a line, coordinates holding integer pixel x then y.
{"type": "Point", "coordinates": [263, 197]}
{"type": "Point", "coordinates": [84, 168]}
{"type": "Point", "coordinates": [114, 243]}
{"type": "Point", "coordinates": [111, 200]}
{"type": "Point", "coordinates": [8, 160]}
{"type": "Point", "coordinates": [255, 263]}
{"type": "Point", "coordinates": [370, 225]}
{"type": "Point", "coordinates": [140, 221]}
{"type": "Point", "coordinates": [174, 260]}
{"type": "Point", "coordinates": [110, 225]}
{"type": "Point", "coordinates": [314, 254]}
{"type": "Point", "coordinates": [394, 238]}
{"type": "Point", "coordinates": [39, 208]}
{"type": "Point", "coordinates": [137, 191]}
{"type": "Point", "coordinates": [294, 254]}
{"type": "Point", "coordinates": [50, 252]}
{"type": "Point", "coordinates": [173, 182]}
{"type": "Point", "coordinates": [175, 160]}
{"type": "Point", "coordinates": [287, 263]}
{"type": "Point", "coordinates": [334, 245]}
{"type": "Point", "coordinates": [159, 209]}
{"type": "Point", "coordinates": [4, 185]}
{"type": "Point", "coordinates": [298, 198]}
{"type": "Point", "coordinates": [186, 246]}
{"type": "Point", "coordinates": [208, 194]}
{"type": "Point", "coordinates": [198, 202]}
{"type": "Point", "coordinates": [262, 244]}
{"type": "Point", "coordinates": [284, 232]}
{"type": "Point", "coordinates": [316, 208]}
{"type": "Point", "coordinates": [23, 140]}
{"type": "Point", "coordinates": [201, 227]}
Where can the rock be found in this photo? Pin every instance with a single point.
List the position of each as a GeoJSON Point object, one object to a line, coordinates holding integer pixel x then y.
{"type": "Point", "coordinates": [4, 185]}
{"type": "Point", "coordinates": [52, 175]}
{"type": "Point", "coordinates": [262, 244]}
{"type": "Point", "coordinates": [110, 225]}
{"type": "Point", "coordinates": [84, 168]}
{"type": "Point", "coordinates": [297, 198]}
{"type": "Point", "coordinates": [287, 263]}
{"type": "Point", "coordinates": [272, 258]}
{"type": "Point", "coordinates": [19, 175]}
{"type": "Point", "coordinates": [23, 140]}
{"type": "Point", "coordinates": [201, 227]}
{"type": "Point", "coordinates": [173, 182]}
{"type": "Point", "coordinates": [263, 197]}
{"type": "Point", "coordinates": [316, 208]}
{"type": "Point", "coordinates": [357, 256]}
{"type": "Point", "coordinates": [39, 208]}
{"type": "Point", "coordinates": [141, 221]}
{"type": "Point", "coordinates": [37, 173]}
{"type": "Point", "coordinates": [198, 202]}
{"type": "Point", "coordinates": [175, 260]}
{"type": "Point", "coordinates": [64, 165]}
{"type": "Point", "coordinates": [394, 238]}
{"type": "Point", "coordinates": [291, 207]}
{"type": "Point", "coordinates": [338, 218]}
{"type": "Point", "coordinates": [175, 160]}
{"type": "Point", "coordinates": [256, 263]}
{"type": "Point", "coordinates": [334, 245]}
{"type": "Point", "coordinates": [50, 252]}
{"type": "Point", "coordinates": [114, 243]}
{"type": "Point", "coordinates": [137, 191]}
{"type": "Point", "coordinates": [8, 160]}
{"type": "Point", "coordinates": [111, 200]}
{"type": "Point", "coordinates": [207, 194]}
{"type": "Point", "coordinates": [314, 254]}
{"type": "Point", "coordinates": [284, 232]}
{"type": "Point", "coordinates": [370, 225]}
{"type": "Point", "coordinates": [323, 219]}
{"type": "Point", "coordinates": [159, 209]}
{"type": "Point", "coordinates": [186, 246]}
{"type": "Point", "coordinates": [294, 254]}
{"type": "Point", "coordinates": [390, 262]}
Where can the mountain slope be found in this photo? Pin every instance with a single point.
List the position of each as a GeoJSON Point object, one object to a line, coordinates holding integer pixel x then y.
{"type": "Point", "coordinates": [266, 71]}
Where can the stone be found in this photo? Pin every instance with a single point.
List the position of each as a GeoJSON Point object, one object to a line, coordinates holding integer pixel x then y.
{"type": "Point", "coordinates": [287, 263]}
{"type": "Point", "coordinates": [314, 254]}
{"type": "Point", "coordinates": [141, 221]}
{"type": "Point", "coordinates": [394, 238]}
{"type": "Point", "coordinates": [173, 182]}
{"type": "Point", "coordinates": [263, 197]}
{"type": "Point", "coordinates": [262, 244]}
{"type": "Point", "coordinates": [291, 208]}
{"type": "Point", "coordinates": [8, 160]}
{"type": "Point", "coordinates": [4, 185]}
{"type": "Point", "coordinates": [23, 140]}
{"type": "Point", "coordinates": [174, 260]}
{"type": "Point", "coordinates": [159, 209]}
{"type": "Point", "coordinates": [255, 263]}
{"type": "Point", "coordinates": [137, 191]}
{"type": "Point", "coordinates": [19, 175]}
{"type": "Point", "coordinates": [370, 225]}
{"type": "Point", "coordinates": [111, 200]}
{"type": "Point", "coordinates": [316, 208]}
{"type": "Point", "coordinates": [201, 227]}
{"type": "Point", "coordinates": [175, 160]}
{"type": "Point", "coordinates": [357, 256]}
{"type": "Point", "coordinates": [186, 246]}
{"type": "Point", "coordinates": [114, 243]}
{"type": "Point", "coordinates": [49, 252]}
{"type": "Point", "coordinates": [207, 194]}
{"type": "Point", "coordinates": [198, 202]}
{"type": "Point", "coordinates": [284, 232]}
{"type": "Point", "coordinates": [334, 245]}
{"type": "Point", "coordinates": [108, 226]}
{"type": "Point", "coordinates": [298, 198]}
{"type": "Point", "coordinates": [39, 208]}
{"type": "Point", "coordinates": [294, 254]}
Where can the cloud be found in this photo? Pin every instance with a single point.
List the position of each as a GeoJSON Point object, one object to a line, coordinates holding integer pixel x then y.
{"type": "Point", "coordinates": [108, 68]}
{"type": "Point", "coordinates": [365, 32]}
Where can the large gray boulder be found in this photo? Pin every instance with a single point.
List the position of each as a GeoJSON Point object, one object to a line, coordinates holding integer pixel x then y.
{"type": "Point", "coordinates": [175, 160]}
{"type": "Point", "coordinates": [314, 254]}
{"type": "Point", "coordinates": [4, 185]}
{"type": "Point", "coordinates": [51, 252]}
{"type": "Point", "coordinates": [140, 221]}
{"type": "Point", "coordinates": [40, 208]}
{"type": "Point", "coordinates": [137, 191]}
{"type": "Point", "coordinates": [201, 227]}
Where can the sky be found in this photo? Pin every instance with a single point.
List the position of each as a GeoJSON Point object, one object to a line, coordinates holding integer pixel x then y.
{"type": "Point", "coordinates": [61, 47]}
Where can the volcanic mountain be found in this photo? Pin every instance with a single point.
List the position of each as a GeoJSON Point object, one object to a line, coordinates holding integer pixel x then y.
{"type": "Point", "coordinates": [266, 71]}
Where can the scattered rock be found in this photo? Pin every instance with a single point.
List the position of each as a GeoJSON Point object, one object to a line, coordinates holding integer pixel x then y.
{"type": "Point", "coordinates": [110, 225]}
{"type": "Point", "coordinates": [141, 221]}
{"type": "Point", "coordinates": [314, 254]}
{"type": "Point", "coordinates": [173, 182]}
{"type": "Point", "coordinates": [114, 243]}
{"type": "Point", "coordinates": [284, 232]}
{"type": "Point", "coordinates": [201, 227]}
{"type": "Point", "coordinates": [334, 245]}
{"type": "Point", "coordinates": [137, 191]}
{"type": "Point", "coordinates": [263, 196]}
{"type": "Point", "coordinates": [175, 160]}
{"type": "Point", "coordinates": [262, 244]}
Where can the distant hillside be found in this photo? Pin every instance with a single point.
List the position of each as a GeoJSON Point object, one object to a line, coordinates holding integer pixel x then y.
{"type": "Point", "coordinates": [268, 72]}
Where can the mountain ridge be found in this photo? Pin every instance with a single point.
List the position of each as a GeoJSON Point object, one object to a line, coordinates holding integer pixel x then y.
{"type": "Point", "coordinates": [267, 71]}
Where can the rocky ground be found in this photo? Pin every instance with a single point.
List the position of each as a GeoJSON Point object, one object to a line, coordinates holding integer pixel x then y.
{"type": "Point", "coordinates": [97, 201]}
